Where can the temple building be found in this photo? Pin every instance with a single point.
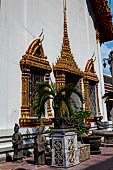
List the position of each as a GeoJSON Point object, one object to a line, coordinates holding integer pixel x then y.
{"type": "Point", "coordinates": [58, 40]}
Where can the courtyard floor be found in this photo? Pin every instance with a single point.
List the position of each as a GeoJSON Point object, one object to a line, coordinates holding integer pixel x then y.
{"type": "Point", "coordinates": [103, 161]}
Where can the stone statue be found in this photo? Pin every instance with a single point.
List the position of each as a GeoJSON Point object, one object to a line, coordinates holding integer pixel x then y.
{"type": "Point", "coordinates": [99, 124]}
{"type": "Point", "coordinates": [39, 147]}
{"type": "Point", "coordinates": [17, 141]}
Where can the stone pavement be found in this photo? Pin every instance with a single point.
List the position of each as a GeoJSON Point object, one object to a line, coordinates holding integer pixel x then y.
{"type": "Point", "coordinates": [103, 161]}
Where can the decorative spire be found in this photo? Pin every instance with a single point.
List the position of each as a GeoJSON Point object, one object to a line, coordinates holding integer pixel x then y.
{"type": "Point", "coordinates": [66, 51]}
{"type": "Point", "coordinates": [66, 62]}
{"type": "Point", "coordinates": [65, 22]}
{"type": "Point", "coordinates": [109, 4]}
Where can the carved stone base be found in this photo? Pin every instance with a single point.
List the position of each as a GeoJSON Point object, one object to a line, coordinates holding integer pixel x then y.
{"type": "Point", "coordinates": [33, 122]}
{"type": "Point", "coordinates": [108, 137]}
{"type": "Point", "coordinates": [64, 148]}
{"type": "Point", "coordinates": [84, 152]}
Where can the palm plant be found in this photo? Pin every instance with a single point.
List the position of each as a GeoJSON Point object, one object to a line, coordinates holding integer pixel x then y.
{"type": "Point", "coordinates": [61, 102]}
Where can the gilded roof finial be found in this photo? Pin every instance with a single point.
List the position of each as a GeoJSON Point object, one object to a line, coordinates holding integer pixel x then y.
{"type": "Point", "coordinates": [66, 51]}
{"type": "Point", "coordinates": [65, 21]}
{"type": "Point", "coordinates": [109, 4]}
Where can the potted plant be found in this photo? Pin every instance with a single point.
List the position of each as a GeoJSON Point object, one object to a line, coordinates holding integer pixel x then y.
{"type": "Point", "coordinates": [64, 111]}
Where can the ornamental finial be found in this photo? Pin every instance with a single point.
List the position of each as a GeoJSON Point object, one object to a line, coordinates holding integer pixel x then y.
{"type": "Point", "coordinates": [109, 4]}
{"type": "Point", "coordinates": [66, 51]}
{"type": "Point", "coordinates": [65, 21]}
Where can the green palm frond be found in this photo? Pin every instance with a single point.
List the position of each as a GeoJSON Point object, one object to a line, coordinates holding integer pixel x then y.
{"type": "Point", "coordinates": [42, 85]}
{"type": "Point", "coordinates": [41, 107]}
{"type": "Point", "coordinates": [44, 93]}
{"type": "Point", "coordinates": [61, 98]}
{"type": "Point", "coordinates": [71, 89]}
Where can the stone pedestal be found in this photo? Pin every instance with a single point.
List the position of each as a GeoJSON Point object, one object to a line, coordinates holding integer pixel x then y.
{"type": "Point", "coordinates": [84, 152]}
{"type": "Point", "coordinates": [108, 138]}
{"type": "Point", "coordinates": [94, 142]}
{"type": "Point", "coordinates": [64, 148]}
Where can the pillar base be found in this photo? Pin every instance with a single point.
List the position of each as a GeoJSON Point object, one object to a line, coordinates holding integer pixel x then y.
{"type": "Point", "coordinates": [64, 148]}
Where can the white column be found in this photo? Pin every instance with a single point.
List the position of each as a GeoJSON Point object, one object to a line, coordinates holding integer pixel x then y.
{"type": "Point", "coordinates": [101, 90]}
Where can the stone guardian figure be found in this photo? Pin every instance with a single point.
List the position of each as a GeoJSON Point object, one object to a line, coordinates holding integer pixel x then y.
{"type": "Point", "coordinates": [17, 142]}
{"type": "Point", "coordinates": [39, 147]}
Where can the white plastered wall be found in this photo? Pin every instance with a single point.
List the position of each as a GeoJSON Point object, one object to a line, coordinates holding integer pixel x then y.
{"type": "Point", "coordinates": [20, 23]}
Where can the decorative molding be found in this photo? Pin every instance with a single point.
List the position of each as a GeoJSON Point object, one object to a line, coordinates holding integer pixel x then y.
{"type": "Point", "coordinates": [90, 73]}
{"type": "Point", "coordinates": [47, 78]}
{"type": "Point", "coordinates": [71, 152]}
{"type": "Point", "coordinates": [33, 122]}
{"type": "Point", "coordinates": [81, 81]}
{"type": "Point", "coordinates": [98, 100]}
{"type": "Point", "coordinates": [25, 108]}
{"type": "Point", "coordinates": [97, 36]}
{"type": "Point", "coordinates": [58, 152]}
{"type": "Point", "coordinates": [103, 19]}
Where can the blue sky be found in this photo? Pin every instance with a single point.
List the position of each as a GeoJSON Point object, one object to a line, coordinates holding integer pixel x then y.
{"type": "Point", "coordinates": [107, 47]}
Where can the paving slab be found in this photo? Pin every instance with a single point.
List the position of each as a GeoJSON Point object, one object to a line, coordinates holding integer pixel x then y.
{"type": "Point", "coordinates": [103, 161]}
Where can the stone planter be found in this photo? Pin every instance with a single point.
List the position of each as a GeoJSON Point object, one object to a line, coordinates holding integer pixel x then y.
{"type": "Point", "coordinates": [94, 142]}
{"type": "Point", "coordinates": [108, 138]}
{"type": "Point", "coordinates": [64, 148]}
{"type": "Point", "coordinates": [63, 123]}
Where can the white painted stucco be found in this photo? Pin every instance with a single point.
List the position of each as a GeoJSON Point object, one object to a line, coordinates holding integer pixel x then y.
{"type": "Point", "coordinates": [21, 21]}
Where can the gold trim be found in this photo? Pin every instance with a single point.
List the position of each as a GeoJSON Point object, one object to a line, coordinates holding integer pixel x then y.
{"type": "Point", "coordinates": [34, 122]}
{"type": "Point", "coordinates": [49, 111]}
{"type": "Point", "coordinates": [97, 36]}
{"type": "Point", "coordinates": [81, 90]}
{"type": "Point", "coordinates": [25, 108]}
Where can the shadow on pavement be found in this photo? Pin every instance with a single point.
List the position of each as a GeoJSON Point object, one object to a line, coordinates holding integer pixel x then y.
{"type": "Point", "coordinates": [103, 165]}
{"type": "Point", "coordinates": [30, 162]}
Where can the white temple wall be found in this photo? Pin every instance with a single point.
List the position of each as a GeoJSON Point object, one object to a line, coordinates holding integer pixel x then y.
{"type": "Point", "coordinates": [20, 23]}
{"type": "Point", "coordinates": [12, 46]}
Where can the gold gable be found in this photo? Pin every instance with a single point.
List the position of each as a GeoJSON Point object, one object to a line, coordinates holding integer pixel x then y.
{"type": "Point", "coordinates": [34, 56]}
{"type": "Point", "coordinates": [90, 73]}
